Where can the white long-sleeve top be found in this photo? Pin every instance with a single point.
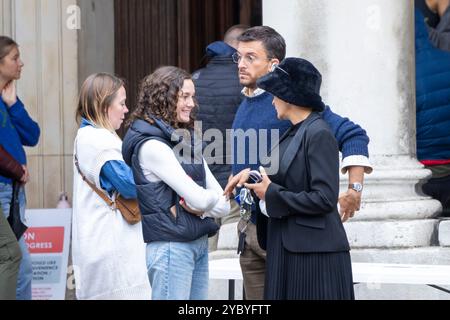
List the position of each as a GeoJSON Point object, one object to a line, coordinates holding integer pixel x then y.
{"type": "Point", "coordinates": [159, 163]}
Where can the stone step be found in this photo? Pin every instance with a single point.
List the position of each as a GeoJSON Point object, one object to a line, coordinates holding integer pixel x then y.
{"type": "Point", "coordinates": [413, 209]}
{"type": "Point", "coordinates": [425, 255]}
{"type": "Point", "coordinates": [228, 237]}
{"type": "Point", "coordinates": [392, 234]}
{"type": "Point", "coordinates": [366, 234]}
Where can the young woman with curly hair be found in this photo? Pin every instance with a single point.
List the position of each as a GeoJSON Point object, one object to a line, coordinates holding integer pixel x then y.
{"type": "Point", "coordinates": [178, 195]}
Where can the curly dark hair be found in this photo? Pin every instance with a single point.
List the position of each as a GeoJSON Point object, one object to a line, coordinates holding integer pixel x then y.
{"type": "Point", "coordinates": [158, 97]}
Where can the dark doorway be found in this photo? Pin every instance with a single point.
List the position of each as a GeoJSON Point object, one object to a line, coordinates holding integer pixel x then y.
{"type": "Point", "coordinates": [152, 33]}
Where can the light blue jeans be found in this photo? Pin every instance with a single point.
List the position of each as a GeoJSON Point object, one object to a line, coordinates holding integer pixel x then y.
{"type": "Point", "coordinates": [177, 270]}
{"type": "Point", "coordinates": [25, 271]}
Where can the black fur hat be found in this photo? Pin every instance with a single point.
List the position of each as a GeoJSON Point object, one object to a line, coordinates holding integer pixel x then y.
{"type": "Point", "coordinates": [295, 81]}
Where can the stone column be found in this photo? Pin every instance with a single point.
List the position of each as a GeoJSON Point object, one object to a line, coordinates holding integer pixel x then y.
{"type": "Point", "coordinates": [6, 23]}
{"type": "Point", "coordinates": [365, 51]}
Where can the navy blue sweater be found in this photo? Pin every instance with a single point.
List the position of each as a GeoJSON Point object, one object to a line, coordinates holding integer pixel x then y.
{"type": "Point", "coordinates": [17, 129]}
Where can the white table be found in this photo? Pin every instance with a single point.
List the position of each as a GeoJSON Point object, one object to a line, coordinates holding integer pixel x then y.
{"type": "Point", "coordinates": [430, 275]}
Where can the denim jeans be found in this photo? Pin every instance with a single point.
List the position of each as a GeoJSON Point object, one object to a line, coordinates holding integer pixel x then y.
{"type": "Point", "coordinates": [177, 270]}
{"type": "Point", "coordinates": [25, 270]}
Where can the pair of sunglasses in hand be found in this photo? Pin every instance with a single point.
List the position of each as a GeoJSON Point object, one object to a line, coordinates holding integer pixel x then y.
{"type": "Point", "coordinates": [254, 177]}
{"type": "Point", "coordinates": [245, 194]}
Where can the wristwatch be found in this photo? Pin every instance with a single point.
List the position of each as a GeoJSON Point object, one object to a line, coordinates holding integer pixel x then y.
{"type": "Point", "coordinates": [358, 187]}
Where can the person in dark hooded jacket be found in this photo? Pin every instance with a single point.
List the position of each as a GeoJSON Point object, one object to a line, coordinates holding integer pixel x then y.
{"type": "Point", "coordinates": [218, 93]}
{"type": "Point", "coordinates": [433, 113]}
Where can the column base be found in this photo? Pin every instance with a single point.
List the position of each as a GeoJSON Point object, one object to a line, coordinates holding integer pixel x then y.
{"type": "Point", "coordinates": [392, 234]}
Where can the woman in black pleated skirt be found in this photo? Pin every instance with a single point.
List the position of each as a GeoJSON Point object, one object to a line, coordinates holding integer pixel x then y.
{"type": "Point", "coordinates": [307, 276]}
{"type": "Point", "coordinates": [308, 254]}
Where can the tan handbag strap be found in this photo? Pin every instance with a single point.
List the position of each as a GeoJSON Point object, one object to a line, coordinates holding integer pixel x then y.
{"type": "Point", "coordinates": [108, 201]}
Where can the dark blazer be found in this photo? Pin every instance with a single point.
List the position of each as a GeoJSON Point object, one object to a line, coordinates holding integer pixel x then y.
{"type": "Point", "coordinates": [302, 200]}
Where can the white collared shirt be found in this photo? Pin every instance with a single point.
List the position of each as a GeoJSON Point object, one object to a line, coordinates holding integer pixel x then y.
{"type": "Point", "coordinates": [256, 93]}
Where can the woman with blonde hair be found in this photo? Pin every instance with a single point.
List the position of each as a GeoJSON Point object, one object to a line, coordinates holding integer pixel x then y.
{"type": "Point", "coordinates": [108, 252]}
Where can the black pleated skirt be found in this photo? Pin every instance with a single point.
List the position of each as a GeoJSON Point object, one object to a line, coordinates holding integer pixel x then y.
{"type": "Point", "coordinates": [307, 276]}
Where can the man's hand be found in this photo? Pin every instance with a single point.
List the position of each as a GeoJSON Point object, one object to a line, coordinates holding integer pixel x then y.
{"type": "Point", "coordinates": [26, 176]}
{"type": "Point", "coordinates": [236, 181]}
{"type": "Point", "coordinates": [9, 94]}
{"type": "Point", "coordinates": [260, 189]}
{"type": "Point", "coordinates": [350, 203]}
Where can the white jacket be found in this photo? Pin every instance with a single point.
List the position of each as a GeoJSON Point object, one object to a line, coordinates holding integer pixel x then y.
{"type": "Point", "coordinates": [108, 253]}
